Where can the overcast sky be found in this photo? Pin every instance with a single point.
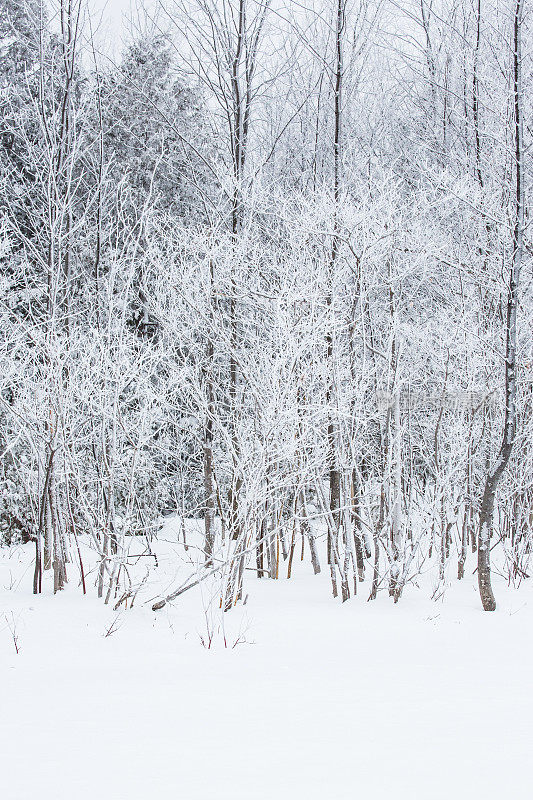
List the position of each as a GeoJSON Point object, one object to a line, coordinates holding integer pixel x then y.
{"type": "Point", "coordinates": [113, 20]}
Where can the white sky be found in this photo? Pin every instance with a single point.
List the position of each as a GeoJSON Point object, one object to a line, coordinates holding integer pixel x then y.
{"type": "Point", "coordinates": [112, 21]}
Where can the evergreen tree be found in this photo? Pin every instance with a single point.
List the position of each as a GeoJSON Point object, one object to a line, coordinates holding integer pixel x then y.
{"type": "Point", "coordinates": [155, 131]}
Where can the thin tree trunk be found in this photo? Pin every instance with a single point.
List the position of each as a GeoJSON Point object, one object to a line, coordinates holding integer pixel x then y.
{"type": "Point", "coordinates": [509, 429]}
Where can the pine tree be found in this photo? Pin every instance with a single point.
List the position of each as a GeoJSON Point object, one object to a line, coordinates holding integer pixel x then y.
{"type": "Point", "coordinates": [155, 131]}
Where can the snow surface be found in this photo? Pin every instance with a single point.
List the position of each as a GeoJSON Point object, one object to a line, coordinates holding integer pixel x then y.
{"type": "Point", "coordinates": [318, 700]}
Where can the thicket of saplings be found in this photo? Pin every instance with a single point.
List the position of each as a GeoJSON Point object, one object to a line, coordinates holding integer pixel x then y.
{"type": "Point", "coordinates": [265, 275]}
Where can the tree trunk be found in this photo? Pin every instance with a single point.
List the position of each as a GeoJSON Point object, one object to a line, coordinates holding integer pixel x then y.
{"type": "Point", "coordinates": [509, 429]}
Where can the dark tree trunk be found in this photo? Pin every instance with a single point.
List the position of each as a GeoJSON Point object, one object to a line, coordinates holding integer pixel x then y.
{"type": "Point", "coordinates": [509, 429]}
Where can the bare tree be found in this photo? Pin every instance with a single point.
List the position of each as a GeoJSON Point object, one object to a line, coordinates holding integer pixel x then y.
{"type": "Point", "coordinates": [510, 412]}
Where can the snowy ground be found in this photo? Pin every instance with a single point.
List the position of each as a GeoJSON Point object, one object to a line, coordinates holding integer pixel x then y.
{"type": "Point", "coordinates": [318, 700]}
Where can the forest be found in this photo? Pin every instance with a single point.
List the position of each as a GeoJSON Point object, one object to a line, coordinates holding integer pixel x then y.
{"type": "Point", "coordinates": [265, 271]}
{"type": "Point", "coordinates": [266, 315]}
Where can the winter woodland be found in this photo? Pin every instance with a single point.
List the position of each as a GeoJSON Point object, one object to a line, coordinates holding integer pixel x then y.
{"type": "Point", "coordinates": [269, 269]}
{"type": "Point", "coordinates": [266, 337]}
